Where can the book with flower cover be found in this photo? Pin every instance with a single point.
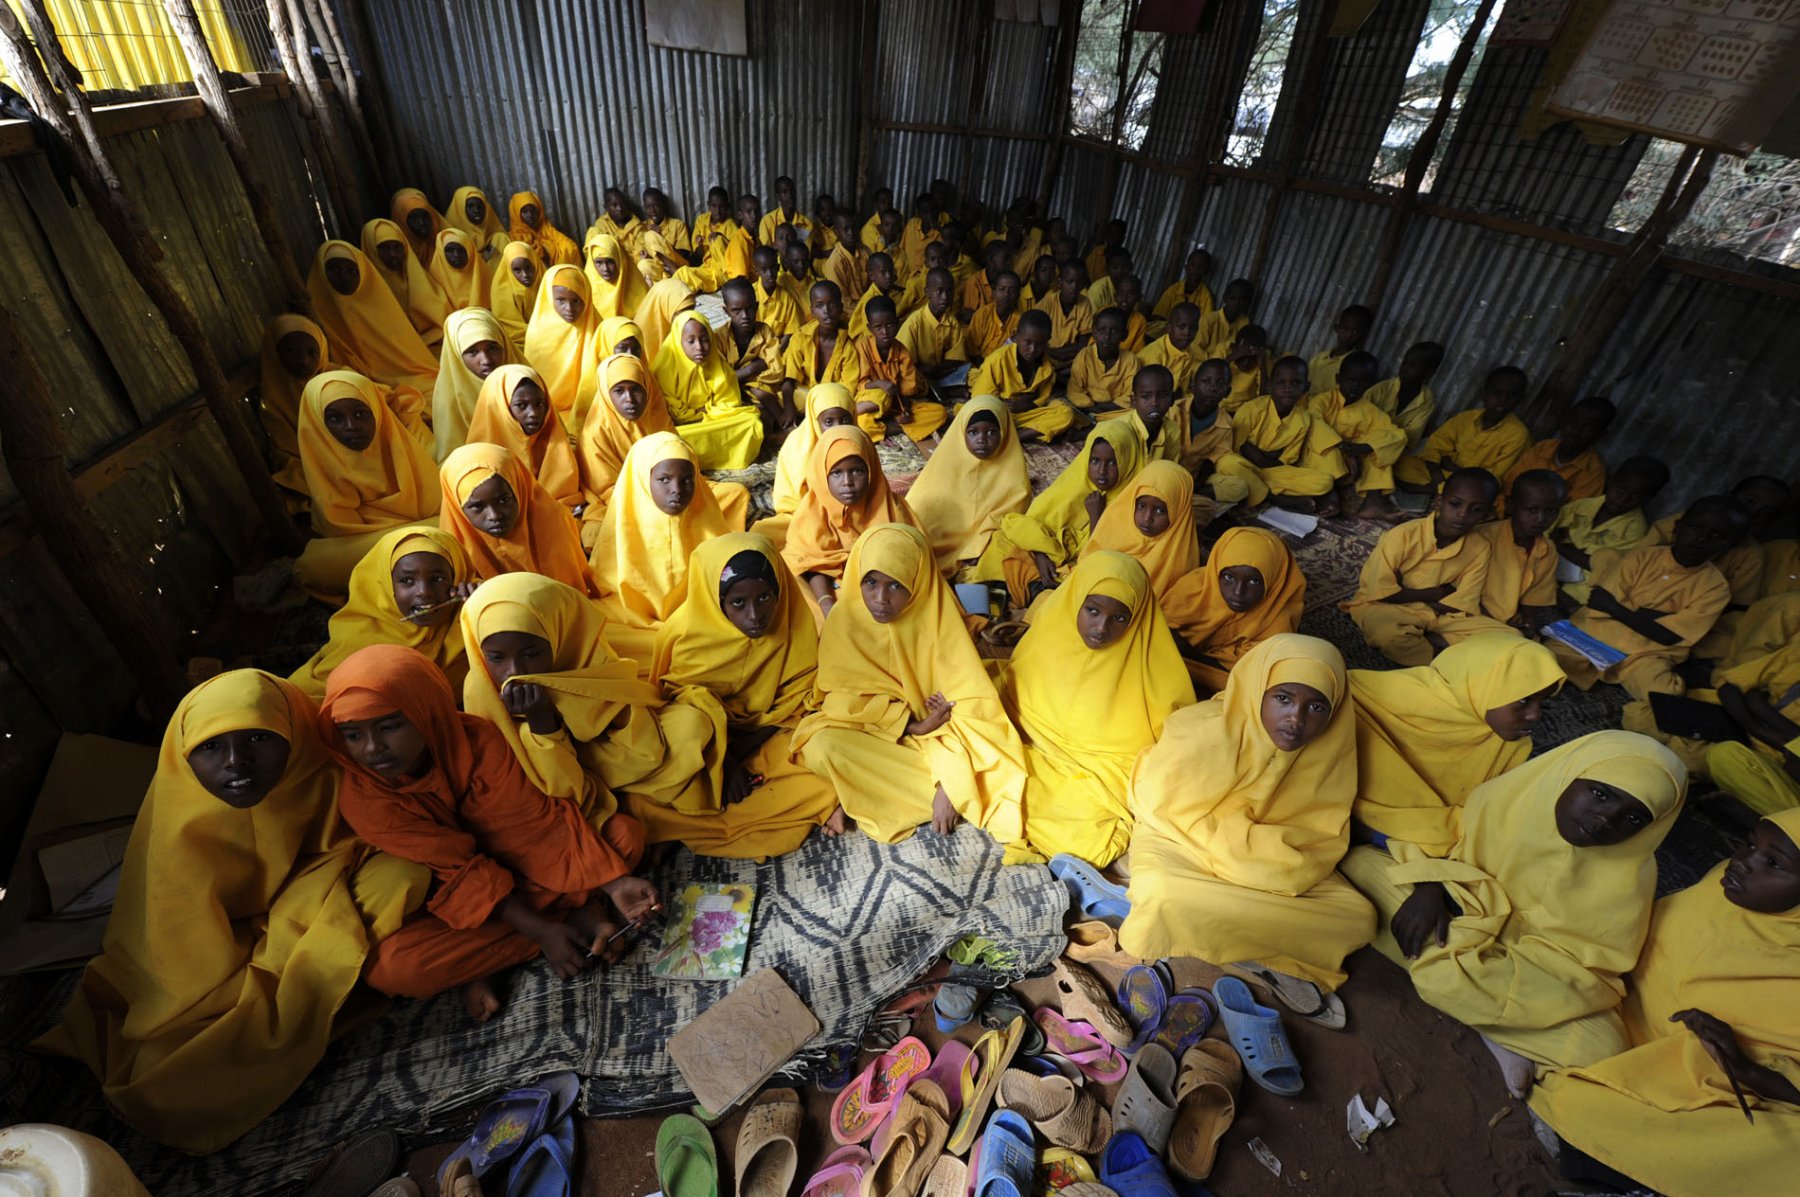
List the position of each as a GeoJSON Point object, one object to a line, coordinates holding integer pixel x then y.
{"type": "Point", "coordinates": [707, 935]}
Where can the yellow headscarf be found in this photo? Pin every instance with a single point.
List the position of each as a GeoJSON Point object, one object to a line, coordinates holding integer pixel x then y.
{"type": "Point", "coordinates": [511, 302]}
{"type": "Point", "coordinates": [234, 939]}
{"type": "Point", "coordinates": [405, 201]}
{"type": "Point", "coordinates": [546, 453]}
{"type": "Point", "coordinates": [353, 493]}
{"type": "Point", "coordinates": [469, 287]}
{"type": "Point", "coordinates": [372, 617]}
{"type": "Point", "coordinates": [875, 677]}
{"type": "Point", "coordinates": [1197, 611]}
{"type": "Point", "coordinates": [606, 436]}
{"type": "Point", "coordinates": [960, 498]}
{"type": "Point", "coordinates": [766, 682]}
{"type": "Point", "coordinates": [1060, 511]}
{"type": "Point", "coordinates": [544, 540]}
{"type": "Point", "coordinates": [369, 330]}
{"type": "Point", "coordinates": [279, 396]}
{"type": "Point", "coordinates": [612, 299]}
{"type": "Point", "coordinates": [555, 247]}
{"type": "Point", "coordinates": [413, 285]}
{"type": "Point", "coordinates": [590, 686]}
{"type": "Point", "coordinates": [1168, 557]}
{"type": "Point", "coordinates": [823, 529]}
{"type": "Point", "coordinates": [658, 311]}
{"type": "Point", "coordinates": [1052, 680]}
{"type": "Point", "coordinates": [453, 399]}
{"type": "Point", "coordinates": [1250, 813]}
{"type": "Point", "coordinates": [613, 330]}
{"type": "Point", "coordinates": [790, 462]}
{"type": "Point", "coordinates": [563, 352]}
{"type": "Point", "coordinates": [490, 228]}
{"type": "Point", "coordinates": [694, 390]}
{"type": "Point", "coordinates": [1422, 739]}
{"type": "Point", "coordinates": [641, 558]}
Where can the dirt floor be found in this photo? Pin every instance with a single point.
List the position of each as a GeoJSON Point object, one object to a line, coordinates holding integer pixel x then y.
{"type": "Point", "coordinates": [1456, 1133]}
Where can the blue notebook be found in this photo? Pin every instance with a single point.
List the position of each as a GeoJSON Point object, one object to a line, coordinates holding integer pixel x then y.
{"type": "Point", "coordinates": [1603, 655]}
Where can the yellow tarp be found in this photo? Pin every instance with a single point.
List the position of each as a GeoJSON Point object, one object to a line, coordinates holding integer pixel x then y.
{"type": "Point", "coordinates": [122, 45]}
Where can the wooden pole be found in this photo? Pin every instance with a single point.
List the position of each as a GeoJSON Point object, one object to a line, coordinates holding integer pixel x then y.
{"type": "Point", "coordinates": [1109, 187]}
{"type": "Point", "coordinates": [1422, 153]}
{"type": "Point", "coordinates": [866, 115]}
{"type": "Point", "coordinates": [310, 100]}
{"type": "Point", "coordinates": [375, 102]}
{"type": "Point", "coordinates": [118, 217]}
{"type": "Point", "coordinates": [325, 28]}
{"type": "Point", "coordinates": [111, 587]}
{"type": "Point", "coordinates": [224, 119]}
{"type": "Point", "coordinates": [1210, 136]}
{"type": "Point", "coordinates": [982, 14]}
{"type": "Point", "coordinates": [1297, 137]}
{"type": "Point", "coordinates": [1607, 304]}
{"type": "Point", "coordinates": [1068, 24]}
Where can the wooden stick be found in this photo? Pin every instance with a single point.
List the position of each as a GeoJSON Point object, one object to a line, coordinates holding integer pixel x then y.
{"type": "Point", "coordinates": [372, 95]}
{"type": "Point", "coordinates": [113, 208]}
{"type": "Point", "coordinates": [1068, 29]}
{"type": "Point", "coordinates": [337, 62]}
{"type": "Point", "coordinates": [1298, 134]}
{"type": "Point", "coordinates": [310, 100]}
{"type": "Point", "coordinates": [112, 588]}
{"type": "Point", "coordinates": [224, 119]}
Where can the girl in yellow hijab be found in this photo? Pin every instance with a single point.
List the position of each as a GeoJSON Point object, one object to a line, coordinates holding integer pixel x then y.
{"type": "Point", "coordinates": [514, 411]}
{"type": "Point", "coordinates": [512, 292]}
{"type": "Point", "coordinates": [529, 221]}
{"type": "Point", "coordinates": [909, 728]}
{"type": "Point", "coordinates": [1426, 737]}
{"type": "Point", "coordinates": [828, 405]}
{"type": "Point", "coordinates": [559, 341]}
{"type": "Point", "coordinates": [1526, 930]}
{"type": "Point", "coordinates": [471, 211]}
{"type": "Point", "coordinates": [1153, 520]}
{"type": "Point", "coordinates": [457, 269]}
{"type": "Point", "coordinates": [661, 512]}
{"type": "Point", "coordinates": [975, 479]}
{"type": "Point", "coordinates": [1716, 981]}
{"type": "Point", "coordinates": [474, 347]}
{"type": "Point", "coordinates": [656, 314]}
{"type": "Point", "coordinates": [365, 473]}
{"type": "Point", "coordinates": [581, 722]}
{"type": "Point", "coordinates": [1090, 686]}
{"type": "Point", "coordinates": [369, 330]}
{"type": "Point", "coordinates": [1243, 812]}
{"type": "Point", "coordinates": [418, 220]}
{"type": "Point", "coordinates": [410, 280]}
{"type": "Point", "coordinates": [704, 400]}
{"type": "Point", "coordinates": [234, 939]}
{"type": "Point", "coordinates": [619, 334]}
{"type": "Point", "coordinates": [622, 292]}
{"type": "Point", "coordinates": [1249, 589]}
{"type": "Point", "coordinates": [1042, 544]}
{"type": "Point", "coordinates": [846, 494]}
{"type": "Point", "coordinates": [294, 349]}
{"type": "Point", "coordinates": [743, 642]}
{"type": "Point", "coordinates": [404, 591]}
{"type": "Point", "coordinates": [505, 521]}
{"type": "Point", "coordinates": [627, 408]}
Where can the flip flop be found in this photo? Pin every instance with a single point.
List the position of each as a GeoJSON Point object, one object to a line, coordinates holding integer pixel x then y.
{"type": "Point", "coordinates": [1008, 1163]}
{"type": "Point", "coordinates": [768, 1147]}
{"type": "Point", "coordinates": [1068, 1116]}
{"type": "Point", "coordinates": [512, 1120]}
{"type": "Point", "coordinates": [547, 1167]}
{"type": "Point", "coordinates": [686, 1163]}
{"type": "Point", "coordinates": [869, 1098]}
{"type": "Point", "coordinates": [946, 1073]}
{"type": "Point", "coordinates": [909, 1143]}
{"type": "Point", "coordinates": [1189, 1015]}
{"type": "Point", "coordinates": [1085, 998]}
{"type": "Point", "coordinates": [1095, 942]}
{"type": "Point", "coordinates": [1146, 1101]}
{"type": "Point", "coordinates": [357, 1166]}
{"type": "Point", "coordinates": [981, 1079]}
{"type": "Point", "coordinates": [1086, 1188]}
{"type": "Point", "coordinates": [456, 1180]}
{"type": "Point", "coordinates": [1061, 1170]}
{"type": "Point", "coordinates": [1094, 896]}
{"type": "Point", "coordinates": [840, 1175]}
{"type": "Point", "coordinates": [1082, 1046]}
{"type": "Point", "coordinates": [1299, 995]}
{"type": "Point", "coordinates": [1144, 998]}
{"type": "Point", "coordinates": [1255, 1031]}
{"type": "Point", "coordinates": [1205, 1104]}
{"type": "Point", "coordinates": [1131, 1169]}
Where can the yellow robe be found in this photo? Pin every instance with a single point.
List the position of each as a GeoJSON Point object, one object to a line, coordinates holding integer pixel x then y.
{"type": "Point", "coordinates": [705, 401]}
{"type": "Point", "coordinates": [1648, 576]}
{"type": "Point", "coordinates": [1070, 324]}
{"type": "Point", "coordinates": [906, 302]}
{"type": "Point", "coordinates": [800, 362]}
{"type": "Point", "coordinates": [1311, 463]}
{"type": "Point", "coordinates": [1414, 418]}
{"type": "Point", "coordinates": [512, 303]}
{"type": "Point", "coordinates": [1463, 440]}
{"type": "Point", "coordinates": [1614, 536]}
{"type": "Point", "coordinates": [960, 499]}
{"type": "Point", "coordinates": [764, 345]}
{"type": "Point", "coordinates": [1409, 557]}
{"type": "Point", "coordinates": [1092, 381]}
{"type": "Point", "coordinates": [453, 398]}
{"type": "Point", "coordinates": [988, 331]}
{"type": "Point", "coordinates": [779, 311]}
{"type": "Point", "coordinates": [278, 399]}
{"type": "Point", "coordinates": [933, 340]}
{"type": "Point", "coordinates": [413, 287]}
{"type": "Point", "coordinates": [774, 218]}
{"type": "Point", "coordinates": [1197, 611]}
{"type": "Point", "coordinates": [999, 375]}
{"type": "Point", "coordinates": [1171, 554]}
{"type": "Point", "coordinates": [369, 329]}
{"type": "Point", "coordinates": [1321, 371]}
{"type": "Point", "coordinates": [897, 367]}
{"type": "Point", "coordinates": [1178, 362]}
{"type": "Point", "coordinates": [468, 287]}
{"type": "Point", "coordinates": [563, 351]}
{"type": "Point", "coordinates": [1365, 424]}
{"type": "Point", "coordinates": [1237, 840]}
{"type": "Point", "coordinates": [1516, 577]}
{"type": "Point", "coordinates": [1056, 524]}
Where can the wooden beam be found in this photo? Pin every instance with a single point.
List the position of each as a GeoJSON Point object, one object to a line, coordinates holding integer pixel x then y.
{"type": "Point", "coordinates": [962, 131]}
{"type": "Point", "coordinates": [376, 105]}
{"type": "Point", "coordinates": [112, 120]}
{"type": "Point", "coordinates": [309, 98]}
{"type": "Point", "coordinates": [1298, 135]}
{"type": "Point", "coordinates": [1068, 30]}
{"type": "Point", "coordinates": [866, 121]}
{"type": "Point", "coordinates": [1213, 129]}
{"type": "Point", "coordinates": [343, 79]}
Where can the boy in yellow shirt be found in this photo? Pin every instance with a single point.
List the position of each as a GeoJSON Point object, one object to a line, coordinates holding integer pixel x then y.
{"type": "Point", "coordinates": [885, 400]}
{"type": "Point", "coordinates": [786, 211]}
{"type": "Point", "coordinates": [1348, 334]}
{"type": "Point", "coordinates": [1100, 380]}
{"type": "Point", "coordinates": [1103, 292]}
{"type": "Point", "coordinates": [871, 230]}
{"type": "Point", "coordinates": [1488, 437]}
{"type": "Point", "coordinates": [882, 281]}
{"type": "Point", "coordinates": [1071, 317]}
{"type": "Point", "coordinates": [995, 322]}
{"type": "Point", "coordinates": [822, 351]}
{"type": "Point", "coordinates": [752, 350]}
{"type": "Point", "coordinates": [934, 337]}
{"type": "Point", "coordinates": [774, 301]}
{"type": "Point", "coordinates": [979, 289]}
{"type": "Point", "coordinates": [1219, 328]}
{"type": "Point", "coordinates": [1174, 350]}
{"type": "Point", "coordinates": [1521, 581]}
{"type": "Point", "coordinates": [1130, 300]}
{"type": "Point", "coordinates": [1189, 288]}
{"type": "Point", "coordinates": [1588, 532]}
{"type": "Point", "coordinates": [1407, 397]}
{"type": "Point", "coordinates": [1371, 442]}
{"type": "Point", "coordinates": [1019, 372]}
{"type": "Point", "coordinates": [1252, 362]}
{"type": "Point", "coordinates": [1570, 453]}
{"type": "Point", "coordinates": [1294, 453]}
{"type": "Point", "coordinates": [715, 220]}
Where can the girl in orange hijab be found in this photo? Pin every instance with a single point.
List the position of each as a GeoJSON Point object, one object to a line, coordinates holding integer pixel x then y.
{"type": "Point", "coordinates": [527, 220]}
{"type": "Point", "coordinates": [457, 269]}
{"type": "Point", "coordinates": [384, 244]}
{"type": "Point", "coordinates": [514, 412]}
{"type": "Point", "coordinates": [369, 330]}
{"type": "Point", "coordinates": [294, 349]}
{"type": "Point", "coordinates": [366, 474]}
{"type": "Point", "coordinates": [1250, 588]}
{"type": "Point", "coordinates": [517, 873]}
{"type": "Point", "coordinates": [559, 341]}
{"type": "Point", "coordinates": [418, 219]}
{"type": "Point", "coordinates": [1153, 521]}
{"type": "Point", "coordinates": [846, 494]}
{"type": "Point", "coordinates": [617, 285]}
{"type": "Point", "coordinates": [506, 522]}
{"type": "Point", "coordinates": [512, 291]}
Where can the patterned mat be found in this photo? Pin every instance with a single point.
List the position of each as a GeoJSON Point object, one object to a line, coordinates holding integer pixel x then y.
{"type": "Point", "coordinates": [846, 923]}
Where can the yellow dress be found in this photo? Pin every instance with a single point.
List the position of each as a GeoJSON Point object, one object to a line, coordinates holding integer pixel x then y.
{"type": "Point", "coordinates": [1084, 714]}
{"type": "Point", "coordinates": [1409, 557]}
{"type": "Point", "coordinates": [960, 499]}
{"type": "Point", "coordinates": [467, 286]}
{"type": "Point", "coordinates": [790, 462]}
{"type": "Point", "coordinates": [417, 293]}
{"type": "Point", "coordinates": [621, 297]}
{"type": "Point", "coordinates": [490, 234]}
{"type": "Point", "coordinates": [553, 246]}
{"type": "Point", "coordinates": [1056, 524]}
{"type": "Point", "coordinates": [1662, 1111]}
{"type": "Point", "coordinates": [404, 203]}
{"type": "Point", "coordinates": [704, 660]}
{"type": "Point", "coordinates": [510, 301]}
{"type": "Point", "coordinates": [1422, 739]}
{"type": "Point", "coordinates": [1311, 462]}
{"type": "Point", "coordinates": [1171, 554]}
{"type": "Point", "coordinates": [1617, 535]}
{"type": "Point", "coordinates": [705, 401]}
{"type": "Point", "coordinates": [563, 350]}
{"type": "Point", "coordinates": [453, 399]}
{"type": "Point", "coordinates": [1237, 841]}
{"type": "Point", "coordinates": [1092, 381]}
{"type": "Point", "coordinates": [1366, 424]}
{"type": "Point", "coordinates": [1067, 324]}
{"type": "Point", "coordinates": [988, 330]}
{"type": "Point", "coordinates": [873, 682]}
{"type": "Point", "coordinates": [235, 938]}
{"type": "Point", "coordinates": [547, 452]}
{"type": "Point", "coordinates": [1537, 959]}
{"type": "Point", "coordinates": [656, 315]}
{"type": "Point", "coordinates": [1517, 577]}
{"type": "Point", "coordinates": [369, 330]}
{"type": "Point", "coordinates": [823, 528]}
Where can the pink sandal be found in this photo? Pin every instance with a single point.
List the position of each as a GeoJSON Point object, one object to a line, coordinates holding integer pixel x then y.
{"type": "Point", "coordinates": [868, 1099]}
{"type": "Point", "coordinates": [1083, 1046]}
{"type": "Point", "coordinates": [840, 1175]}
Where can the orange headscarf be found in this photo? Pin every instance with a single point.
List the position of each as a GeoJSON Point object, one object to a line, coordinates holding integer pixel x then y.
{"type": "Point", "coordinates": [561, 351]}
{"type": "Point", "coordinates": [823, 529]}
{"type": "Point", "coordinates": [546, 452]}
{"type": "Point", "coordinates": [370, 332]}
{"type": "Point", "coordinates": [1167, 557]}
{"type": "Point", "coordinates": [1198, 614]}
{"type": "Point", "coordinates": [543, 540]}
{"type": "Point", "coordinates": [555, 247]}
{"type": "Point", "coordinates": [606, 436]}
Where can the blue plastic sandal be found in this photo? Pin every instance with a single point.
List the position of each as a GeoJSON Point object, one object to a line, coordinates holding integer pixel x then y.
{"type": "Point", "coordinates": [1255, 1032]}
{"type": "Point", "coordinates": [513, 1120]}
{"type": "Point", "coordinates": [1144, 997]}
{"type": "Point", "coordinates": [547, 1167]}
{"type": "Point", "coordinates": [1007, 1165]}
{"type": "Point", "coordinates": [1095, 897]}
{"type": "Point", "coordinates": [1129, 1168]}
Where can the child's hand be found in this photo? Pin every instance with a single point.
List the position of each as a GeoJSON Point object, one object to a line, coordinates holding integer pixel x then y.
{"type": "Point", "coordinates": [462, 592]}
{"type": "Point", "coordinates": [1715, 1035]}
{"type": "Point", "coordinates": [532, 703]}
{"type": "Point", "coordinates": [633, 897]}
{"type": "Point", "coordinates": [1424, 916]}
{"type": "Point", "coordinates": [937, 713]}
{"type": "Point", "coordinates": [738, 784]}
{"type": "Point", "coordinates": [1022, 403]}
{"type": "Point", "coordinates": [865, 408]}
{"type": "Point", "coordinates": [1206, 469]}
{"type": "Point", "coordinates": [943, 816]}
{"type": "Point", "coordinates": [563, 948]}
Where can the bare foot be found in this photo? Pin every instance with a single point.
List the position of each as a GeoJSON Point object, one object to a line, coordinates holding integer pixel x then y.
{"type": "Point", "coordinates": [1515, 1070]}
{"type": "Point", "coordinates": [481, 999]}
{"type": "Point", "coordinates": [1351, 502]}
{"type": "Point", "coordinates": [943, 816]}
{"type": "Point", "coordinates": [836, 825]}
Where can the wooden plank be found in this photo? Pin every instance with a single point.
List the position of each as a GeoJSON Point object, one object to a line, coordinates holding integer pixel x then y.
{"type": "Point", "coordinates": [114, 119]}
